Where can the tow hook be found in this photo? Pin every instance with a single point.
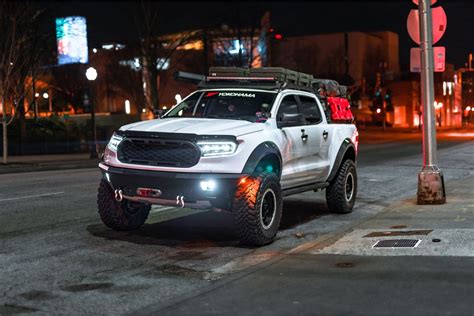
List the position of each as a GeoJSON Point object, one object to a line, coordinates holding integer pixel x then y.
{"type": "Point", "coordinates": [118, 195]}
{"type": "Point", "coordinates": [180, 200]}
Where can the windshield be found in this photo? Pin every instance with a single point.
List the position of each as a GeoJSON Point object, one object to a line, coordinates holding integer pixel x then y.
{"type": "Point", "coordinates": [253, 106]}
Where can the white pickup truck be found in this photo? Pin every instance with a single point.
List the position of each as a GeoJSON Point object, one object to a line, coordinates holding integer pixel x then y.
{"type": "Point", "coordinates": [237, 145]}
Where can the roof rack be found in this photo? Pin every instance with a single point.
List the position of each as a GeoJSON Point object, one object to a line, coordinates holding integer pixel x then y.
{"type": "Point", "coordinates": [267, 78]}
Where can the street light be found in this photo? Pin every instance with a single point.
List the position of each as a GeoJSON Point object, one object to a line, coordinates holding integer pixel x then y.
{"type": "Point", "coordinates": [91, 75]}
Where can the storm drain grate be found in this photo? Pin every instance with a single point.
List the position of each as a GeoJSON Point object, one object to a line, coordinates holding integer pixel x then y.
{"type": "Point", "coordinates": [397, 243]}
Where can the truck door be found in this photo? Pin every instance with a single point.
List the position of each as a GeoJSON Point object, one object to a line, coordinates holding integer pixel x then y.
{"type": "Point", "coordinates": [299, 147]}
{"type": "Point", "coordinates": [319, 135]}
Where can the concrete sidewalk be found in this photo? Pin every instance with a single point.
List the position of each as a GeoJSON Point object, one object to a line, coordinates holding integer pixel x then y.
{"type": "Point", "coordinates": [31, 163]}
{"type": "Point", "coordinates": [342, 274]}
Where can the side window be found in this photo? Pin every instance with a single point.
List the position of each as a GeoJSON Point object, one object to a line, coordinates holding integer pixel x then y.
{"type": "Point", "coordinates": [310, 109]}
{"type": "Point", "coordinates": [288, 105]}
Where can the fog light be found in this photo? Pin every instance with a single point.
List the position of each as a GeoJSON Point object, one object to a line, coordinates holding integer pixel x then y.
{"type": "Point", "coordinates": [208, 185]}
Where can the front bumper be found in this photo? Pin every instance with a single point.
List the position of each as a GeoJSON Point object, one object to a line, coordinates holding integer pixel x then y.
{"type": "Point", "coordinates": [176, 188]}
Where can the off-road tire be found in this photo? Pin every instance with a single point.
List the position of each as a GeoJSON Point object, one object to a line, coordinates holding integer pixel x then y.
{"type": "Point", "coordinates": [123, 215]}
{"type": "Point", "coordinates": [337, 197]}
{"type": "Point", "coordinates": [248, 207]}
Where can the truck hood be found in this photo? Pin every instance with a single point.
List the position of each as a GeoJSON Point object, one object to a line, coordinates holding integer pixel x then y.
{"type": "Point", "coordinates": [200, 126]}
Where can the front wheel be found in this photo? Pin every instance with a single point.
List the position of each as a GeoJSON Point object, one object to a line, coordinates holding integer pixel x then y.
{"type": "Point", "coordinates": [123, 215]}
{"type": "Point", "coordinates": [342, 191]}
{"type": "Point", "coordinates": [257, 209]}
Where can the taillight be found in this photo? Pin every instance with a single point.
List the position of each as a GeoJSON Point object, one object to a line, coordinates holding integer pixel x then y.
{"type": "Point", "coordinates": [355, 140]}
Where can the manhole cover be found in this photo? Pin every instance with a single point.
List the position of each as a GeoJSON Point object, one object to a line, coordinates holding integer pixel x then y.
{"type": "Point", "coordinates": [397, 243]}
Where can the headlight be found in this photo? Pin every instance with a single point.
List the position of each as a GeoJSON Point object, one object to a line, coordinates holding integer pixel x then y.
{"type": "Point", "coordinates": [114, 142]}
{"type": "Point", "coordinates": [217, 148]}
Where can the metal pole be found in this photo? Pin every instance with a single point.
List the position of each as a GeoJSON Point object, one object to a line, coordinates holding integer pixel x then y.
{"type": "Point", "coordinates": [430, 178]}
{"type": "Point", "coordinates": [50, 101]}
{"type": "Point", "coordinates": [427, 86]}
{"type": "Point", "coordinates": [94, 151]}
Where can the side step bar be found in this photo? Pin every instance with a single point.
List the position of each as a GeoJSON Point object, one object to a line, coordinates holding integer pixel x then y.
{"type": "Point", "coordinates": [304, 188]}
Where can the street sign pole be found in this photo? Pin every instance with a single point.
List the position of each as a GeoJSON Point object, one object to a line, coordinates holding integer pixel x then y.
{"type": "Point", "coordinates": [430, 179]}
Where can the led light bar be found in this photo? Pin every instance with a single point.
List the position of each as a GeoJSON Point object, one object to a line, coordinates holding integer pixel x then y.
{"type": "Point", "coordinates": [242, 78]}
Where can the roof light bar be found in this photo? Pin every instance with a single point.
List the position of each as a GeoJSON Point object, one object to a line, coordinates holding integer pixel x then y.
{"type": "Point", "coordinates": [242, 78]}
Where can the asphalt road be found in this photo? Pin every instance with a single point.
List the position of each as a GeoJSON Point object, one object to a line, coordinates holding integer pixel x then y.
{"type": "Point", "coordinates": [57, 258]}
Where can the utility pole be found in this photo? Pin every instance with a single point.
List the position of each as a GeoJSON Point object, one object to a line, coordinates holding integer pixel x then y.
{"type": "Point", "coordinates": [430, 179]}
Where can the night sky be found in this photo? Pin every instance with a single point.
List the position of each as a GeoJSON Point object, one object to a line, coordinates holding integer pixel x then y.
{"type": "Point", "coordinates": [114, 21]}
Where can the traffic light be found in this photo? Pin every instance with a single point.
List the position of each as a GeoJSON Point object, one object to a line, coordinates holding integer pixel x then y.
{"type": "Point", "coordinates": [377, 101]}
{"type": "Point", "coordinates": [388, 100]}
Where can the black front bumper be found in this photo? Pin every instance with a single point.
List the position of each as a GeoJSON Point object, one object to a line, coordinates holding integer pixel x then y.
{"type": "Point", "coordinates": [174, 184]}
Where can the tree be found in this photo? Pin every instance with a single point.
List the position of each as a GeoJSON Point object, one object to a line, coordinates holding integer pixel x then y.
{"type": "Point", "coordinates": [240, 46]}
{"type": "Point", "coordinates": [155, 50]}
{"type": "Point", "coordinates": [20, 52]}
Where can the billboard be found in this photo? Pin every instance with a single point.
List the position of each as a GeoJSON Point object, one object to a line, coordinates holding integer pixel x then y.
{"type": "Point", "coordinates": [71, 37]}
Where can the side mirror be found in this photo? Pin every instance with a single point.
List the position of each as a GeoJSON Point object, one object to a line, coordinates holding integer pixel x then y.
{"type": "Point", "coordinates": [288, 120]}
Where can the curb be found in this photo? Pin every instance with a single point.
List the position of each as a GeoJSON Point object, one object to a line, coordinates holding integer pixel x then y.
{"type": "Point", "coordinates": [17, 168]}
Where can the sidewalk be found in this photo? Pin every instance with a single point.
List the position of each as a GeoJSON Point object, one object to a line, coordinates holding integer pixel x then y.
{"type": "Point", "coordinates": [443, 129]}
{"type": "Point", "coordinates": [350, 277]}
{"type": "Point", "coordinates": [17, 164]}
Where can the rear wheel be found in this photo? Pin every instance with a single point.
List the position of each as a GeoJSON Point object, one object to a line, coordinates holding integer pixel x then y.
{"type": "Point", "coordinates": [123, 215]}
{"type": "Point", "coordinates": [342, 191]}
{"type": "Point", "coordinates": [257, 209]}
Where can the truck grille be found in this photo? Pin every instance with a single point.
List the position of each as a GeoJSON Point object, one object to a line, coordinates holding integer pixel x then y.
{"type": "Point", "coordinates": [155, 152]}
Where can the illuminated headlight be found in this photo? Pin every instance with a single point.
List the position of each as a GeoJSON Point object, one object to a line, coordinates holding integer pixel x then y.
{"type": "Point", "coordinates": [208, 185]}
{"type": "Point", "coordinates": [217, 148]}
{"type": "Point", "coordinates": [114, 142]}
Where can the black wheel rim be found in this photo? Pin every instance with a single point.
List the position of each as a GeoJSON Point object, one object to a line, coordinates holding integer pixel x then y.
{"type": "Point", "coordinates": [349, 187]}
{"type": "Point", "coordinates": [268, 209]}
{"type": "Point", "coordinates": [131, 208]}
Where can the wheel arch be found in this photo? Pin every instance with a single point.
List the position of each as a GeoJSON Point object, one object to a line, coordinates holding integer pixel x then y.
{"type": "Point", "coordinates": [264, 155]}
{"type": "Point", "coordinates": [346, 151]}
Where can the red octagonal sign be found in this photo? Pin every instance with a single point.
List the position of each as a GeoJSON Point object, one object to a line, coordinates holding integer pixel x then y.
{"type": "Point", "coordinates": [439, 24]}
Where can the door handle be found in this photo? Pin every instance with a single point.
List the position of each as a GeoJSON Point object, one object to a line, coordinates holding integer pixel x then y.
{"type": "Point", "coordinates": [304, 136]}
{"type": "Point", "coordinates": [325, 135]}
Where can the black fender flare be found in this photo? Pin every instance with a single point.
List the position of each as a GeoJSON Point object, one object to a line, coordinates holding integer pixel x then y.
{"type": "Point", "coordinates": [259, 153]}
{"type": "Point", "coordinates": [345, 146]}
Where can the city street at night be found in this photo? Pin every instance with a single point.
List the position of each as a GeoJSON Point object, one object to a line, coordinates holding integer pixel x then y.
{"type": "Point", "coordinates": [57, 257]}
{"type": "Point", "coordinates": [245, 158]}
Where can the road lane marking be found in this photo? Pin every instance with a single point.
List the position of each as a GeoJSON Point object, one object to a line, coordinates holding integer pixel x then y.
{"type": "Point", "coordinates": [159, 208]}
{"type": "Point", "coordinates": [31, 196]}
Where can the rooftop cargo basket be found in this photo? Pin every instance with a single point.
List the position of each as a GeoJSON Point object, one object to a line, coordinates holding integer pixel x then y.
{"type": "Point", "coordinates": [279, 74]}
{"type": "Point", "coordinates": [273, 77]}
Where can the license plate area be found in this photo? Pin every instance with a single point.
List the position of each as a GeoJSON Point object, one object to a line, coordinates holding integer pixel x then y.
{"type": "Point", "coordinates": [149, 192]}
